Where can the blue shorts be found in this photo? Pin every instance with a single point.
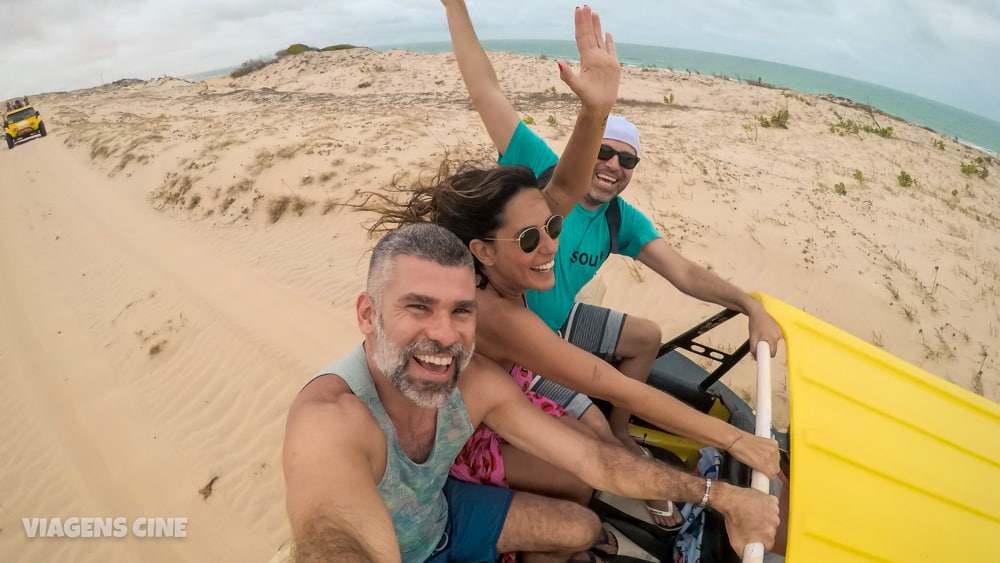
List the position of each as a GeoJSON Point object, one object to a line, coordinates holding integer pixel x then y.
{"type": "Point", "coordinates": [476, 514]}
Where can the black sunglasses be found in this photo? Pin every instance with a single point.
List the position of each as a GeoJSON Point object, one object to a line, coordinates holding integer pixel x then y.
{"type": "Point", "coordinates": [529, 238]}
{"type": "Point", "coordinates": [626, 159]}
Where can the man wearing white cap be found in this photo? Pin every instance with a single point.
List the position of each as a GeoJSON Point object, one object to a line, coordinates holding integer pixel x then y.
{"type": "Point", "coordinates": [599, 225]}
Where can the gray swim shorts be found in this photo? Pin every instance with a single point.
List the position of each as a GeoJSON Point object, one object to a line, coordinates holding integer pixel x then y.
{"type": "Point", "coordinates": [594, 329]}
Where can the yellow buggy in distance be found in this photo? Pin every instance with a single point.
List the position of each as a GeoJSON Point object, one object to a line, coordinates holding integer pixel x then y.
{"type": "Point", "coordinates": [21, 121]}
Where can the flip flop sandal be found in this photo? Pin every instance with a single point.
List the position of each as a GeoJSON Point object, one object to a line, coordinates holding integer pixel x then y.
{"type": "Point", "coordinates": [656, 511]}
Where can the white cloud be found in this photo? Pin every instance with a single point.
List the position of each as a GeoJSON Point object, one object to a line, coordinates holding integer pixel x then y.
{"type": "Point", "coordinates": [922, 46]}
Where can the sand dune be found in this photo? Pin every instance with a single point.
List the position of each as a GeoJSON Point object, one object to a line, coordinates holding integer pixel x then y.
{"type": "Point", "coordinates": [177, 258]}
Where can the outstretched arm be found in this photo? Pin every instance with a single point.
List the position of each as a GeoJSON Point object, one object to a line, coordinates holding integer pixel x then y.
{"type": "Point", "coordinates": [700, 283]}
{"type": "Point", "coordinates": [333, 505]}
{"type": "Point", "coordinates": [596, 85]}
{"type": "Point", "coordinates": [750, 515]}
{"type": "Point", "coordinates": [494, 108]}
{"type": "Point", "coordinates": [512, 333]}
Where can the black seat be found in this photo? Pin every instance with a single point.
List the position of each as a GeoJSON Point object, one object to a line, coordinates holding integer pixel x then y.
{"type": "Point", "coordinates": [677, 375]}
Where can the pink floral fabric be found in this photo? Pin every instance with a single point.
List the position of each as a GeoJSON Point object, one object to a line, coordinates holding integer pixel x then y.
{"type": "Point", "coordinates": [480, 461]}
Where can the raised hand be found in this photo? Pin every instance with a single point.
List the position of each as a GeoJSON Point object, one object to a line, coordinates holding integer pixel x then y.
{"type": "Point", "coordinates": [597, 82]}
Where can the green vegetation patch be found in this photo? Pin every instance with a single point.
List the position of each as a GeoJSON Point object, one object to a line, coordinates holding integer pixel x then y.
{"type": "Point", "coordinates": [977, 167]}
{"type": "Point", "coordinates": [294, 49]}
{"type": "Point", "coordinates": [851, 127]}
{"type": "Point", "coordinates": [778, 119]}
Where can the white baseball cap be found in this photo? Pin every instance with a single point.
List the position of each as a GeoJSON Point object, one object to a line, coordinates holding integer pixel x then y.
{"type": "Point", "coordinates": [621, 129]}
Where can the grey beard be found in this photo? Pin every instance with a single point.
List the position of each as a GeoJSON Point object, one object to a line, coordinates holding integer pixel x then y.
{"type": "Point", "coordinates": [391, 360]}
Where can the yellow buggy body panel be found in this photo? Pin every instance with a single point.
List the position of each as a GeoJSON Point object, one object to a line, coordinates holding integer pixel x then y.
{"type": "Point", "coordinates": [889, 462]}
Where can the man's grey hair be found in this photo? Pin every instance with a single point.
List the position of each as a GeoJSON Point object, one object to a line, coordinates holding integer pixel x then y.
{"type": "Point", "coordinates": [421, 240]}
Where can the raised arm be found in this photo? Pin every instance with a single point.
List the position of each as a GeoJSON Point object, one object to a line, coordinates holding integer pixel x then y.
{"type": "Point", "coordinates": [596, 85]}
{"type": "Point", "coordinates": [700, 283]}
{"type": "Point", "coordinates": [496, 111]}
{"type": "Point", "coordinates": [511, 333]}
{"type": "Point", "coordinates": [334, 507]}
{"type": "Point", "coordinates": [750, 516]}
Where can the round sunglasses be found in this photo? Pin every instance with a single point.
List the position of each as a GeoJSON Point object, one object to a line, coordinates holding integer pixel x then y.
{"type": "Point", "coordinates": [529, 238]}
{"type": "Point", "coordinates": [626, 159]}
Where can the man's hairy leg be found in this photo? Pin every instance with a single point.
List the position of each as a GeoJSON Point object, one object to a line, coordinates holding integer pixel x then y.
{"type": "Point", "coordinates": [545, 529]}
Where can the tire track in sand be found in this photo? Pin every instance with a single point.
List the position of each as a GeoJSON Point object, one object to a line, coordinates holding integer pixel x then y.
{"type": "Point", "coordinates": [93, 281]}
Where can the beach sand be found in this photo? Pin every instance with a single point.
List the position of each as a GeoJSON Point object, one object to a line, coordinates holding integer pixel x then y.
{"type": "Point", "coordinates": [176, 260]}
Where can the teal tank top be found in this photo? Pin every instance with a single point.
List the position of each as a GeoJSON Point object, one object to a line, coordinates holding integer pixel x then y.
{"type": "Point", "coordinates": [413, 492]}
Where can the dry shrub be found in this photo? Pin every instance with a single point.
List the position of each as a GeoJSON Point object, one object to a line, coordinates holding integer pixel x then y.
{"type": "Point", "coordinates": [278, 206]}
{"type": "Point", "coordinates": [288, 152]}
{"type": "Point", "coordinates": [226, 203]}
{"type": "Point", "coordinates": [244, 185]}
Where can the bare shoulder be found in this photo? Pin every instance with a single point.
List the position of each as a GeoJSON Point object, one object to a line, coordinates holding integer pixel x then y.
{"type": "Point", "coordinates": [326, 396]}
{"type": "Point", "coordinates": [484, 385]}
{"type": "Point", "coordinates": [326, 418]}
{"type": "Point", "coordinates": [502, 324]}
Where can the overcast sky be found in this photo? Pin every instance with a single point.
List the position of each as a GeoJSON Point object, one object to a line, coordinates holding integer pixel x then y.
{"type": "Point", "coordinates": [946, 50]}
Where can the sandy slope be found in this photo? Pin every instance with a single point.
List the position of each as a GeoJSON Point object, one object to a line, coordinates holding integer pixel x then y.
{"type": "Point", "coordinates": [138, 361]}
{"type": "Point", "coordinates": [176, 259]}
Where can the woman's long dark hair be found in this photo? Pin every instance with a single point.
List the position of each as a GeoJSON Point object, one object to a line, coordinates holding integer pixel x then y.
{"type": "Point", "coordinates": [467, 198]}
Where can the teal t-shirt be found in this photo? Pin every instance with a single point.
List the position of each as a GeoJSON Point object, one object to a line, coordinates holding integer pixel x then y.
{"type": "Point", "coordinates": [585, 241]}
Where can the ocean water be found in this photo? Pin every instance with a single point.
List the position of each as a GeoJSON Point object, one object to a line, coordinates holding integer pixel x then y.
{"type": "Point", "coordinates": [205, 75]}
{"type": "Point", "coordinates": [952, 122]}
